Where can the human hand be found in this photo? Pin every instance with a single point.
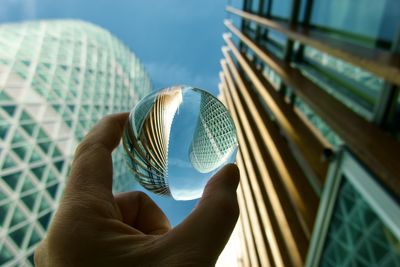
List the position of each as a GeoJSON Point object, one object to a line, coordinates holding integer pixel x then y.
{"type": "Point", "coordinates": [94, 228]}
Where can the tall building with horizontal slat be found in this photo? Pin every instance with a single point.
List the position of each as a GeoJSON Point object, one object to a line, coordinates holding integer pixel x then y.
{"type": "Point", "coordinates": [313, 88]}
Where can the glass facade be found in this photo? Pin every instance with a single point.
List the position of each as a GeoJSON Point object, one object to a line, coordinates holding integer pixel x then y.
{"type": "Point", "coordinates": [214, 137]}
{"type": "Point", "coordinates": [356, 235]}
{"type": "Point", "coordinates": [355, 87]}
{"type": "Point", "coordinates": [357, 21]}
{"type": "Point", "coordinates": [57, 79]}
{"type": "Point", "coordinates": [315, 78]}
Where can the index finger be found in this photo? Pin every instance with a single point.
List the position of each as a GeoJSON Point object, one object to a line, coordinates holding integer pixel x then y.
{"type": "Point", "coordinates": [92, 165]}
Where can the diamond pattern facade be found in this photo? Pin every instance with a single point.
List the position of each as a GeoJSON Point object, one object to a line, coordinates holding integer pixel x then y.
{"type": "Point", "coordinates": [57, 79]}
{"type": "Point", "coordinates": [357, 236]}
{"type": "Point", "coordinates": [214, 137]}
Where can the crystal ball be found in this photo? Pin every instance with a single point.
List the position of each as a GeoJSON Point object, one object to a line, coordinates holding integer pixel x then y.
{"type": "Point", "coordinates": [176, 139]}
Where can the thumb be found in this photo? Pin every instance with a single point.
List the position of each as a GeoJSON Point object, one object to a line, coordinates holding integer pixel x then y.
{"type": "Point", "coordinates": [211, 223]}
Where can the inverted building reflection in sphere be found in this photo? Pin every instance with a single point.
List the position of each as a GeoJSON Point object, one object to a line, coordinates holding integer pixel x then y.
{"type": "Point", "coordinates": [176, 139]}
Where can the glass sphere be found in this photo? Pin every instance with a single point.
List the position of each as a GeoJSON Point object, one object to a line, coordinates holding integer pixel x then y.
{"type": "Point", "coordinates": [176, 139]}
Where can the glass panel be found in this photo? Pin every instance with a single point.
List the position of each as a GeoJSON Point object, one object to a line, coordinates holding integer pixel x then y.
{"type": "Point", "coordinates": [35, 238]}
{"type": "Point", "coordinates": [44, 204]}
{"type": "Point", "coordinates": [357, 89]}
{"type": "Point", "coordinates": [12, 179]}
{"type": "Point", "coordinates": [273, 41]}
{"type": "Point", "coordinates": [20, 152]}
{"type": "Point", "coordinates": [281, 8]}
{"type": "Point", "coordinates": [59, 165]}
{"type": "Point", "coordinates": [318, 123]}
{"type": "Point", "coordinates": [4, 96]}
{"type": "Point", "coordinates": [3, 212]}
{"type": "Point", "coordinates": [28, 184]}
{"type": "Point", "coordinates": [8, 162]}
{"type": "Point", "coordinates": [3, 195]}
{"type": "Point", "coordinates": [25, 117]}
{"type": "Point", "coordinates": [9, 109]}
{"type": "Point", "coordinates": [5, 254]}
{"type": "Point", "coordinates": [42, 135]}
{"type": "Point", "coordinates": [18, 217]}
{"type": "Point", "coordinates": [357, 20]}
{"type": "Point", "coordinates": [17, 137]}
{"type": "Point", "coordinates": [45, 219]}
{"type": "Point", "coordinates": [4, 129]}
{"type": "Point", "coordinates": [35, 156]}
{"type": "Point", "coordinates": [52, 190]}
{"type": "Point", "coordinates": [38, 172]}
{"type": "Point", "coordinates": [357, 236]}
{"type": "Point", "coordinates": [29, 128]}
{"type": "Point", "coordinates": [18, 235]}
{"type": "Point", "coordinates": [29, 201]}
{"type": "Point", "coordinates": [45, 146]}
{"type": "Point", "coordinates": [254, 5]}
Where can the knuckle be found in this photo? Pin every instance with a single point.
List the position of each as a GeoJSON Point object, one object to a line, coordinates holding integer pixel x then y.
{"type": "Point", "coordinates": [87, 148]}
{"type": "Point", "coordinates": [83, 147]}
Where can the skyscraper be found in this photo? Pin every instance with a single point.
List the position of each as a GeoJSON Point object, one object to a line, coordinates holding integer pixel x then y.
{"type": "Point", "coordinates": [214, 137]}
{"type": "Point", "coordinates": [57, 79]}
{"type": "Point", "coordinates": [313, 87]}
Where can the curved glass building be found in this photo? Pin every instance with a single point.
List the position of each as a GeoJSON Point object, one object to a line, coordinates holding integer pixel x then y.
{"type": "Point", "coordinates": [57, 79]}
{"type": "Point", "coordinates": [214, 137]}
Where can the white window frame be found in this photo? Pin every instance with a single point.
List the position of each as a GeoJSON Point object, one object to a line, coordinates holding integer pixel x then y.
{"type": "Point", "coordinates": [381, 202]}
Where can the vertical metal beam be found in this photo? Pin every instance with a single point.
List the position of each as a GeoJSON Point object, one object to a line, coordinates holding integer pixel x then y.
{"type": "Point", "coordinates": [386, 107]}
{"type": "Point", "coordinates": [306, 21]}
{"type": "Point", "coordinates": [266, 14]}
{"type": "Point", "coordinates": [260, 13]}
{"type": "Point", "coordinates": [243, 23]}
{"type": "Point", "coordinates": [287, 55]}
{"type": "Point", "coordinates": [258, 28]}
{"type": "Point", "coordinates": [294, 15]}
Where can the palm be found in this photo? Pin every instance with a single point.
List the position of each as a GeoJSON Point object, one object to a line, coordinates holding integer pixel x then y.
{"type": "Point", "coordinates": [94, 228]}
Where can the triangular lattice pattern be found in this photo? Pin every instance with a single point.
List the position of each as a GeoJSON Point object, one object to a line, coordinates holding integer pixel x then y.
{"type": "Point", "coordinates": [215, 136]}
{"type": "Point", "coordinates": [57, 79]}
{"type": "Point", "coordinates": [357, 236]}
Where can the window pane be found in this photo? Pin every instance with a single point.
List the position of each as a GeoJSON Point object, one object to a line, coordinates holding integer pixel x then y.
{"type": "Point", "coordinates": [369, 20]}
{"type": "Point", "coordinates": [356, 235]}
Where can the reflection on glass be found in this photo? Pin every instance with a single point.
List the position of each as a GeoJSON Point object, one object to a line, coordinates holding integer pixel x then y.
{"type": "Point", "coordinates": [176, 139]}
{"type": "Point", "coordinates": [358, 21]}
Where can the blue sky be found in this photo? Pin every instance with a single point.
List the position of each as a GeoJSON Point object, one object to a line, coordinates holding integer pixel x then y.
{"type": "Point", "coordinates": [178, 41]}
